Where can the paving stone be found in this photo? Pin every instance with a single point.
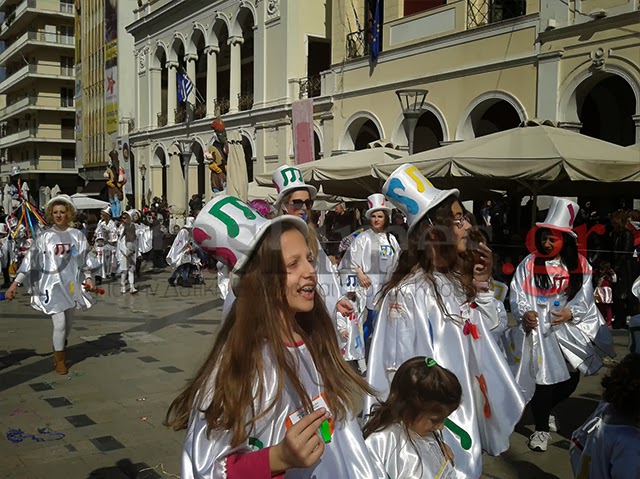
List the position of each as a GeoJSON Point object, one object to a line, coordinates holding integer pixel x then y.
{"type": "Point", "coordinates": [58, 402]}
{"type": "Point", "coordinates": [41, 387]}
{"type": "Point", "coordinates": [562, 444]}
{"type": "Point", "coordinates": [148, 359]}
{"type": "Point", "coordinates": [129, 350]}
{"type": "Point", "coordinates": [70, 448]}
{"type": "Point", "coordinates": [185, 326]}
{"type": "Point", "coordinates": [172, 369]}
{"type": "Point", "coordinates": [80, 328]}
{"type": "Point", "coordinates": [80, 420]}
{"type": "Point", "coordinates": [204, 333]}
{"type": "Point", "coordinates": [106, 443]}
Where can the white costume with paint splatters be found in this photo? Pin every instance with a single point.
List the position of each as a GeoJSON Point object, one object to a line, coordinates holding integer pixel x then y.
{"type": "Point", "coordinates": [54, 269]}
{"type": "Point", "coordinates": [414, 321]}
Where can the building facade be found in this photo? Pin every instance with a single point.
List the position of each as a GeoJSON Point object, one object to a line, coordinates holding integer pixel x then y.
{"type": "Point", "coordinates": [105, 73]}
{"type": "Point", "coordinates": [488, 66]}
{"type": "Point", "coordinates": [37, 119]}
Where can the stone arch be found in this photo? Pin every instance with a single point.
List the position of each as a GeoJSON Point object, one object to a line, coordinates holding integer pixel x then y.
{"type": "Point", "coordinates": [399, 136]}
{"type": "Point", "coordinates": [236, 27]}
{"type": "Point", "coordinates": [353, 126]}
{"type": "Point", "coordinates": [476, 110]}
{"type": "Point", "coordinates": [160, 50]}
{"type": "Point", "coordinates": [568, 111]}
{"type": "Point", "coordinates": [160, 156]}
{"type": "Point", "coordinates": [198, 150]}
{"type": "Point", "coordinates": [199, 31]}
{"type": "Point", "coordinates": [602, 103]}
{"type": "Point", "coordinates": [178, 39]}
{"type": "Point", "coordinates": [221, 21]}
{"type": "Point", "coordinates": [249, 149]}
{"type": "Point", "coordinates": [318, 142]}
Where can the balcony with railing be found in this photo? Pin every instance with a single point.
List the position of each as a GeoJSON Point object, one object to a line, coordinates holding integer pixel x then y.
{"type": "Point", "coordinates": [162, 119]}
{"type": "Point", "coordinates": [35, 39]}
{"type": "Point", "coordinates": [245, 101]}
{"type": "Point", "coordinates": [10, 137]}
{"type": "Point", "coordinates": [20, 17]}
{"type": "Point", "coordinates": [222, 105]}
{"type": "Point", "coordinates": [310, 87]}
{"type": "Point", "coordinates": [47, 71]}
{"type": "Point", "coordinates": [35, 102]}
{"type": "Point", "coordinates": [485, 12]}
{"type": "Point", "coordinates": [357, 46]}
{"type": "Point", "coordinates": [181, 114]}
{"type": "Point", "coordinates": [200, 111]}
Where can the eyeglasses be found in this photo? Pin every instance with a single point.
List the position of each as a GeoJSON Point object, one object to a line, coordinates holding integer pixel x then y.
{"type": "Point", "coordinates": [460, 223]}
{"type": "Point", "coordinates": [299, 204]}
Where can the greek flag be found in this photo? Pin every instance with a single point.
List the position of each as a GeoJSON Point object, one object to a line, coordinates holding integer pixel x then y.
{"type": "Point", "coordinates": [185, 87]}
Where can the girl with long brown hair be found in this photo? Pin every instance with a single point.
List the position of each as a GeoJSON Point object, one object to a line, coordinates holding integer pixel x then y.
{"type": "Point", "coordinates": [274, 396]}
{"type": "Point", "coordinates": [432, 307]}
{"type": "Point", "coordinates": [404, 433]}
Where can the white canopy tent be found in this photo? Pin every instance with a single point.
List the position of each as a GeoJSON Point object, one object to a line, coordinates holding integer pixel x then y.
{"type": "Point", "coordinates": [348, 175]}
{"type": "Point", "coordinates": [84, 202]}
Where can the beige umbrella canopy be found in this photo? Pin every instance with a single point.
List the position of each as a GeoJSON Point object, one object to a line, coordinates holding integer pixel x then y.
{"type": "Point", "coordinates": [531, 159]}
{"type": "Point", "coordinates": [237, 181]}
{"type": "Point", "coordinates": [347, 175]}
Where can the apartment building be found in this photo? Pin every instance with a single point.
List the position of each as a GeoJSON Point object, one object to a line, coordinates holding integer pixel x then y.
{"type": "Point", "coordinates": [37, 119]}
{"type": "Point", "coordinates": [487, 65]}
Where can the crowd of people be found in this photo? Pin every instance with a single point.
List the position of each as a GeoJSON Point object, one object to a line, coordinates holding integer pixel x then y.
{"type": "Point", "coordinates": [404, 316]}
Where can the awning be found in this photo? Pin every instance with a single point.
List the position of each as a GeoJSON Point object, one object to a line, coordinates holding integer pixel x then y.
{"type": "Point", "coordinates": [94, 188]}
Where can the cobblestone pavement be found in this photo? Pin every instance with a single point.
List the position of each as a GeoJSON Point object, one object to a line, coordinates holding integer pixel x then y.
{"type": "Point", "coordinates": [129, 357]}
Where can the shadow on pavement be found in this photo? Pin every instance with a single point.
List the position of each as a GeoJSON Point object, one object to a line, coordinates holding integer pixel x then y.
{"type": "Point", "coordinates": [16, 356]}
{"type": "Point", "coordinates": [104, 346]}
{"type": "Point", "coordinates": [125, 469]}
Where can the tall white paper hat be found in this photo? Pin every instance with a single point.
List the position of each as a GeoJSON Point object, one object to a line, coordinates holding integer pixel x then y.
{"type": "Point", "coordinates": [349, 280]}
{"type": "Point", "coordinates": [62, 198]}
{"type": "Point", "coordinates": [230, 229]}
{"type": "Point", "coordinates": [377, 202]}
{"type": "Point", "coordinates": [188, 223]}
{"type": "Point", "coordinates": [562, 213]}
{"type": "Point", "coordinates": [107, 210]}
{"type": "Point", "coordinates": [413, 194]}
{"type": "Point", "coordinates": [287, 179]}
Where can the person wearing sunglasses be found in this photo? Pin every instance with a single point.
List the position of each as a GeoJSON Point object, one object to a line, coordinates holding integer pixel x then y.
{"type": "Point", "coordinates": [295, 197]}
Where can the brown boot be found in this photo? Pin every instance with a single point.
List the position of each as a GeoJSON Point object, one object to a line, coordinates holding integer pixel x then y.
{"type": "Point", "coordinates": [61, 367]}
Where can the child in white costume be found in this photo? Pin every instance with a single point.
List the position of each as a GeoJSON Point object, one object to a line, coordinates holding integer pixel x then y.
{"type": "Point", "coordinates": [432, 307]}
{"type": "Point", "coordinates": [58, 270]}
{"type": "Point", "coordinates": [404, 433]}
{"type": "Point", "coordinates": [181, 255]}
{"type": "Point", "coordinates": [108, 229]}
{"type": "Point", "coordinates": [349, 327]}
{"type": "Point", "coordinates": [607, 444]}
{"type": "Point", "coordinates": [127, 253]}
{"type": "Point", "coordinates": [552, 296]}
{"type": "Point", "coordinates": [250, 419]}
{"type": "Point", "coordinates": [373, 254]}
{"type": "Point", "coordinates": [105, 253]}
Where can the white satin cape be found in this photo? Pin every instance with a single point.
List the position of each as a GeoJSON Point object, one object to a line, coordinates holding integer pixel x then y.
{"type": "Point", "coordinates": [178, 254]}
{"type": "Point", "coordinates": [376, 254]}
{"type": "Point", "coordinates": [411, 323]}
{"type": "Point", "coordinates": [353, 347]}
{"type": "Point", "coordinates": [346, 456]}
{"type": "Point", "coordinates": [396, 457]}
{"type": "Point", "coordinates": [54, 269]}
{"type": "Point", "coordinates": [578, 344]}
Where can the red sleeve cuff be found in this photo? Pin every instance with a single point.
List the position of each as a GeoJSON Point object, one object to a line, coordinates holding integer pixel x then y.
{"type": "Point", "coordinates": [250, 464]}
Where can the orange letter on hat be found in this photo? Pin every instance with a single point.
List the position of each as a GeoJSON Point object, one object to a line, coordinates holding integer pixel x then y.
{"type": "Point", "coordinates": [413, 174]}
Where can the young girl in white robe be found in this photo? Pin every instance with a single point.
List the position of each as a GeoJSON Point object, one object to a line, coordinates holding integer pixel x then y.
{"type": "Point", "coordinates": [274, 398]}
{"type": "Point", "coordinates": [404, 433]}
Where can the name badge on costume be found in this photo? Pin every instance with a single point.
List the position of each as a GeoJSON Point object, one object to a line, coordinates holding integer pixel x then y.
{"type": "Point", "coordinates": [74, 250]}
{"type": "Point", "coordinates": [326, 428]}
{"type": "Point", "coordinates": [465, 310]}
{"type": "Point", "coordinates": [385, 251]}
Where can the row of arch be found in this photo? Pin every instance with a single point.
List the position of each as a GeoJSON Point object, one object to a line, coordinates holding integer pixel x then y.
{"type": "Point", "coordinates": [215, 36]}
{"type": "Point", "coordinates": [605, 105]}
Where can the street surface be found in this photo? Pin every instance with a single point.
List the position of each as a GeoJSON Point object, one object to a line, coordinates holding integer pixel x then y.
{"type": "Point", "coordinates": [129, 356]}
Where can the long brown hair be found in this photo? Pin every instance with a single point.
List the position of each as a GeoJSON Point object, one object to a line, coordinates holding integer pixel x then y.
{"type": "Point", "coordinates": [432, 248]}
{"type": "Point", "coordinates": [418, 386]}
{"type": "Point", "coordinates": [259, 316]}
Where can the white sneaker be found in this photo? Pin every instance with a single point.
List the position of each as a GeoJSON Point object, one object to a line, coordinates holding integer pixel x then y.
{"type": "Point", "coordinates": [539, 441]}
{"type": "Point", "coordinates": [133, 290]}
{"type": "Point", "coordinates": [123, 289]}
{"type": "Point", "coordinates": [553, 425]}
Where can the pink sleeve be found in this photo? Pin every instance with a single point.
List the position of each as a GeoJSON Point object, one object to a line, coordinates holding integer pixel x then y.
{"type": "Point", "coordinates": [251, 464]}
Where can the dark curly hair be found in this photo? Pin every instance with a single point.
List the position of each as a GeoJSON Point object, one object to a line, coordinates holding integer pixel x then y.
{"type": "Point", "coordinates": [622, 387]}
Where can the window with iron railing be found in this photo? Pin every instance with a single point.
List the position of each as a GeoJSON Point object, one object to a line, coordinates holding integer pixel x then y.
{"type": "Point", "coordinates": [357, 46]}
{"type": "Point", "coordinates": [310, 87]}
{"type": "Point", "coordinates": [200, 112]}
{"type": "Point", "coordinates": [222, 105]}
{"type": "Point", "coordinates": [162, 119]}
{"type": "Point", "coordinates": [485, 12]}
{"type": "Point", "coordinates": [181, 114]}
{"type": "Point", "coordinates": [245, 101]}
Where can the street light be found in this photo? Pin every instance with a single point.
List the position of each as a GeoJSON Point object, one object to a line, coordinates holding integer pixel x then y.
{"type": "Point", "coordinates": [185, 155]}
{"type": "Point", "coordinates": [412, 103]}
{"type": "Point", "coordinates": [143, 173]}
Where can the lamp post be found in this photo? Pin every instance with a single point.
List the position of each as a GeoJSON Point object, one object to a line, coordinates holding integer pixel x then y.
{"type": "Point", "coordinates": [185, 155]}
{"type": "Point", "coordinates": [143, 173]}
{"type": "Point", "coordinates": [412, 103]}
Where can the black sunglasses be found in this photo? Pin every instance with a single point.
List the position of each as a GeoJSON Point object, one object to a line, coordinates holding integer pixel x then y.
{"type": "Point", "coordinates": [299, 204]}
